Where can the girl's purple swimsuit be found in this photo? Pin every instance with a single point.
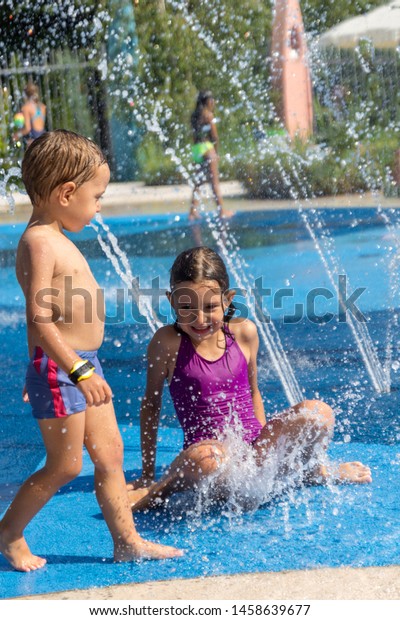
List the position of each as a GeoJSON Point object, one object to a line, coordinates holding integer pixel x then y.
{"type": "Point", "coordinates": [211, 396]}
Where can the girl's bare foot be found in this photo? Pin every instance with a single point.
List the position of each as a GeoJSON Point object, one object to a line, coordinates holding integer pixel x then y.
{"type": "Point", "coordinates": [19, 555]}
{"type": "Point", "coordinates": [225, 214]}
{"type": "Point", "coordinates": [347, 472]}
{"type": "Point", "coordinates": [137, 497]}
{"type": "Point", "coordinates": [146, 550]}
{"type": "Point", "coordinates": [194, 214]}
{"type": "Point", "coordinates": [142, 498]}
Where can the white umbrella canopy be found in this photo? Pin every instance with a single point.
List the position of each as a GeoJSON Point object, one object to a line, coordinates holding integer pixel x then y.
{"type": "Point", "coordinates": [380, 26]}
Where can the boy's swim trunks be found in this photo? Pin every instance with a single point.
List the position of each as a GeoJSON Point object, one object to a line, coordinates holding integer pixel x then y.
{"type": "Point", "coordinates": [51, 392]}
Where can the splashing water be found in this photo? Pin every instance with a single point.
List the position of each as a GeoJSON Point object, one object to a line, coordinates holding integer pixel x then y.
{"type": "Point", "coordinates": [5, 190]}
{"type": "Point", "coordinates": [229, 248]}
{"type": "Point", "coordinates": [241, 484]}
{"type": "Point", "coordinates": [120, 262]}
{"type": "Point", "coordinates": [324, 246]}
{"type": "Point", "coordinates": [375, 369]}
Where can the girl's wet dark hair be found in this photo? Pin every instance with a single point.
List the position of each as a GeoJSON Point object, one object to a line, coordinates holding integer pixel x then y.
{"type": "Point", "coordinates": [197, 265]}
{"type": "Point", "coordinates": [202, 98]}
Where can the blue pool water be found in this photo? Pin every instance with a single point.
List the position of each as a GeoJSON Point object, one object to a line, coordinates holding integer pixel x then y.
{"type": "Point", "coordinates": [353, 526]}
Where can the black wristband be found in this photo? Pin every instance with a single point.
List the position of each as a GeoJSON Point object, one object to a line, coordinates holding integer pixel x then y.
{"type": "Point", "coordinates": [82, 370]}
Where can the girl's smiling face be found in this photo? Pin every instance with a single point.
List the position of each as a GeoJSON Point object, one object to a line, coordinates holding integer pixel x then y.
{"type": "Point", "coordinates": [200, 307]}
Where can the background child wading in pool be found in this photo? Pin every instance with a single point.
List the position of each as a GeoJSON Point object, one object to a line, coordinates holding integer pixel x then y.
{"type": "Point", "coordinates": [210, 363]}
{"type": "Point", "coordinates": [65, 176]}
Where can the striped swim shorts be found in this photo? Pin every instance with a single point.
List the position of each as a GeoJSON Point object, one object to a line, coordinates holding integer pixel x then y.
{"type": "Point", "coordinates": [51, 392]}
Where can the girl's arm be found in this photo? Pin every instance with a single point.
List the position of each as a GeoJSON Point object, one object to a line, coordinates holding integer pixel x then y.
{"type": "Point", "coordinates": [213, 130]}
{"type": "Point", "coordinates": [214, 134]}
{"type": "Point", "coordinates": [28, 123]}
{"type": "Point", "coordinates": [157, 371]}
{"type": "Point", "coordinates": [250, 337]}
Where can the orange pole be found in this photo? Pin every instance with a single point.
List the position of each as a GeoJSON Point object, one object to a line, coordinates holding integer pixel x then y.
{"type": "Point", "coordinates": [290, 69]}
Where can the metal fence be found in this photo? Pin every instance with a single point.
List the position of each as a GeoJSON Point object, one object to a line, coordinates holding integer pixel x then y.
{"type": "Point", "coordinates": [70, 85]}
{"type": "Point", "coordinates": [364, 80]}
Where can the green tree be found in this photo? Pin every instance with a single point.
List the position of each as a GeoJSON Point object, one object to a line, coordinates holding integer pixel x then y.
{"type": "Point", "coordinates": [185, 47]}
{"type": "Point", "coordinates": [40, 25]}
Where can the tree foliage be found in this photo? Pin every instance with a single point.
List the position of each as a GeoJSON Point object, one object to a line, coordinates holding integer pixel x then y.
{"type": "Point", "coordinates": [43, 24]}
{"type": "Point", "coordinates": [222, 45]}
{"type": "Point", "coordinates": [188, 46]}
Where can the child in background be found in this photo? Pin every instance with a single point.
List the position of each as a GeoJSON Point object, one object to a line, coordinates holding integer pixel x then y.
{"type": "Point", "coordinates": [210, 362]}
{"type": "Point", "coordinates": [205, 152]}
{"type": "Point", "coordinates": [34, 115]}
{"type": "Point", "coordinates": [65, 176]}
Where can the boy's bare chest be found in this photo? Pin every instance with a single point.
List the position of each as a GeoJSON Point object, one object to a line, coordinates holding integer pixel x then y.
{"type": "Point", "coordinates": [71, 268]}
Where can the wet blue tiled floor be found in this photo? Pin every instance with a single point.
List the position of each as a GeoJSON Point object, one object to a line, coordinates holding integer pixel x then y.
{"type": "Point", "coordinates": [351, 526]}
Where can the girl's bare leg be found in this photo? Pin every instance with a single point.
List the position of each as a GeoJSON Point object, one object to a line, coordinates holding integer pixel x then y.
{"type": "Point", "coordinates": [104, 444]}
{"type": "Point", "coordinates": [194, 213]}
{"type": "Point", "coordinates": [191, 466]}
{"type": "Point", "coordinates": [306, 427]}
{"type": "Point", "coordinates": [212, 159]}
{"type": "Point", "coordinates": [63, 439]}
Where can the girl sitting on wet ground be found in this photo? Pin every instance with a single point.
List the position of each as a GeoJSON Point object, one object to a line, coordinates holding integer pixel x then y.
{"type": "Point", "coordinates": [210, 362]}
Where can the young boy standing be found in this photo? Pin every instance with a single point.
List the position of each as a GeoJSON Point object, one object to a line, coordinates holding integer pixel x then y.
{"type": "Point", "coordinates": [65, 176]}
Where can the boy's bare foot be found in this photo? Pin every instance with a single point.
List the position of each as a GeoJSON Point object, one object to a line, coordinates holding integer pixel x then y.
{"type": "Point", "coordinates": [146, 550]}
{"type": "Point", "coordinates": [19, 555]}
{"type": "Point", "coordinates": [347, 472]}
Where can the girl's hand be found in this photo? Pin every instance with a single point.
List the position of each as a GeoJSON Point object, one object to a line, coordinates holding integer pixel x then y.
{"type": "Point", "coordinates": [95, 390]}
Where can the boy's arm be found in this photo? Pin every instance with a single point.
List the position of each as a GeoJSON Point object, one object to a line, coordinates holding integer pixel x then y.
{"type": "Point", "coordinates": [157, 371]}
{"type": "Point", "coordinates": [250, 335]}
{"type": "Point", "coordinates": [36, 268]}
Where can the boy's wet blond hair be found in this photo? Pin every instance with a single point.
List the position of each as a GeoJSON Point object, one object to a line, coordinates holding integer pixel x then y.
{"type": "Point", "coordinates": [57, 157]}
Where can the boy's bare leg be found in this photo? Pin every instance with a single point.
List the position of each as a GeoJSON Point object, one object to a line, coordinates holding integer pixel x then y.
{"type": "Point", "coordinates": [190, 467]}
{"type": "Point", "coordinates": [63, 439]}
{"type": "Point", "coordinates": [306, 426]}
{"type": "Point", "coordinates": [104, 444]}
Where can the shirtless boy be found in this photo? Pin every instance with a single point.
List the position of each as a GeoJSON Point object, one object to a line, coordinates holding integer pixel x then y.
{"type": "Point", "coordinates": [65, 176]}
